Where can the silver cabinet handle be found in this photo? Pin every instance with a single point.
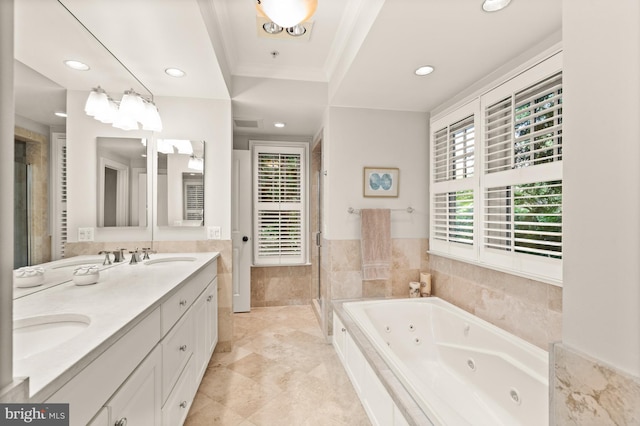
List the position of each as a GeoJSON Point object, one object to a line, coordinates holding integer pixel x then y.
{"type": "Point", "coordinates": [183, 404]}
{"type": "Point", "coordinates": [344, 329]}
{"type": "Point", "coordinates": [183, 302]}
{"type": "Point", "coordinates": [210, 298]}
{"type": "Point", "coordinates": [121, 422]}
{"type": "Point", "coordinates": [183, 348]}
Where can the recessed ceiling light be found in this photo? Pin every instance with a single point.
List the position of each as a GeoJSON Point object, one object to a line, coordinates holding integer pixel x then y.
{"type": "Point", "coordinates": [494, 5]}
{"type": "Point", "coordinates": [76, 65]}
{"type": "Point", "coordinates": [272, 28]}
{"type": "Point", "coordinates": [175, 72]}
{"type": "Point", "coordinates": [424, 70]}
{"type": "Point", "coordinates": [60, 114]}
{"type": "Point", "coordinates": [279, 124]}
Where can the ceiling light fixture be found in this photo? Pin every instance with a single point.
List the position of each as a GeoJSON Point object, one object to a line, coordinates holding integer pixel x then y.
{"type": "Point", "coordinates": [175, 72]}
{"type": "Point", "coordinates": [279, 124]}
{"type": "Point", "coordinates": [424, 70]}
{"type": "Point", "coordinates": [494, 5]}
{"type": "Point", "coordinates": [126, 114]}
{"type": "Point", "coordinates": [287, 13]}
{"type": "Point", "coordinates": [297, 30]}
{"type": "Point", "coordinates": [76, 65]}
{"type": "Point", "coordinates": [272, 28]}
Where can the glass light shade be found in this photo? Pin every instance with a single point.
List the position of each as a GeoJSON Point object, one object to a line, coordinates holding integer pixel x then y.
{"type": "Point", "coordinates": [108, 116]}
{"type": "Point", "coordinates": [287, 13]}
{"type": "Point", "coordinates": [97, 102]}
{"type": "Point", "coordinates": [196, 164]}
{"type": "Point", "coordinates": [183, 146]}
{"type": "Point", "coordinates": [151, 120]}
{"type": "Point", "coordinates": [165, 146]}
{"type": "Point", "coordinates": [132, 105]}
{"type": "Point", "coordinates": [125, 121]}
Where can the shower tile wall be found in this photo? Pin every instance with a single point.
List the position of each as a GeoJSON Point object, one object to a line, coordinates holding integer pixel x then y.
{"type": "Point", "coordinates": [529, 309]}
{"type": "Point", "coordinates": [225, 297]}
{"type": "Point", "coordinates": [586, 392]}
{"type": "Point", "coordinates": [281, 286]}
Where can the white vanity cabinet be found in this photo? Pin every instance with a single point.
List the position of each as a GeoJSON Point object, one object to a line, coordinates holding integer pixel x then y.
{"type": "Point", "coordinates": [149, 376]}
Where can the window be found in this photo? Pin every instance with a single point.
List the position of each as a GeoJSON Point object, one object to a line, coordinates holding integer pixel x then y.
{"type": "Point", "coordinates": [454, 182]}
{"type": "Point", "coordinates": [511, 210]}
{"type": "Point", "coordinates": [280, 204]}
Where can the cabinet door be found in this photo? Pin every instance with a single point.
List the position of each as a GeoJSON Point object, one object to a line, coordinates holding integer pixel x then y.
{"type": "Point", "coordinates": [201, 319]}
{"type": "Point", "coordinates": [212, 316]}
{"type": "Point", "coordinates": [137, 402]}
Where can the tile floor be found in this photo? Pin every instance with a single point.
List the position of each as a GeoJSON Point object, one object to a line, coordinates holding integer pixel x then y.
{"type": "Point", "coordinates": [280, 372]}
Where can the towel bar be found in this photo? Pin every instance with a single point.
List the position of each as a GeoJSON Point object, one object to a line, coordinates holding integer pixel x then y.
{"type": "Point", "coordinates": [409, 209]}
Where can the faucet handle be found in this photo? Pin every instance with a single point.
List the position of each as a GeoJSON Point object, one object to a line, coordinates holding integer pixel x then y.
{"type": "Point", "coordinates": [107, 259]}
{"type": "Point", "coordinates": [118, 255]}
{"type": "Point", "coordinates": [146, 251]}
{"type": "Point", "coordinates": [134, 257]}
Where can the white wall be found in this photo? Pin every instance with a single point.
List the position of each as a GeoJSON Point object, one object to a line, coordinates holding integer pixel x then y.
{"type": "Point", "coordinates": [601, 301]}
{"type": "Point", "coordinates": [183, 118]}
{"type": "Point", "coordinates": [355, 138]}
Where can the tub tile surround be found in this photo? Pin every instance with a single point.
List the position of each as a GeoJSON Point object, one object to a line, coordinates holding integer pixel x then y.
{"type": "Point", "coordinates": [341, 272]}
{"type": "Point", "coordinates": [225, 271]}
{"type": "Point", "coordinates": [527, 308]}
{"type": "Point", "coordinates": [586, 392]}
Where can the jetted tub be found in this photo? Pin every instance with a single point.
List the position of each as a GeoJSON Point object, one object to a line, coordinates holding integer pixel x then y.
{"type": "Point", "coordinates": [458, 368]}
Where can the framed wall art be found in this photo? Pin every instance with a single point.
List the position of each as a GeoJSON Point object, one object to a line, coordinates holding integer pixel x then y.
{"type": "Point", "coordinates": [381, 181]}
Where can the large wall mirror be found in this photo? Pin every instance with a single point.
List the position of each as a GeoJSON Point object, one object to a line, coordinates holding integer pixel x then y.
{"type": "Point", "coordinates": [122, 182]}
{"type": "Point", "coordinates": [180, 182]}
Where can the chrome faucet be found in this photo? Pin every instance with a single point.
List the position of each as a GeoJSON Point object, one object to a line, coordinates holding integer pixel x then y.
{"type": "Point", "coordinates": [107, 259]}
{"type": "Point", "coordinates": [146, 252]}
{"type": "Point", "coordinates": [135, 257]}
{"type": "Point", "coordinates": [118, 255]}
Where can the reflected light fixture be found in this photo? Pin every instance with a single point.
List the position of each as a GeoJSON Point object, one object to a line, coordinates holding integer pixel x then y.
{"type": "Point", "coordinates": [60, 114]}
{"type": "Point", "coordinates": [126, 114]}
{"type": "Point", "coordinates": [287, 13]}
{"type": "Point", "coordinates": [494, 5]}
{"type": "Point", "coordinates": [279, 124]}
{"type": "Point", "coordinates": [76, 65]}
{"type": "Point", "coordinates": [196, 164]}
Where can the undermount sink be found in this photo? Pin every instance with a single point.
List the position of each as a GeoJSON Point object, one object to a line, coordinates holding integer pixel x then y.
{"type": "Point", "coordinates": [37, 334]}
{"type": "Point", "coordinates": [78, 262]}
{"type": "Point", "coordinates": [169, 260]}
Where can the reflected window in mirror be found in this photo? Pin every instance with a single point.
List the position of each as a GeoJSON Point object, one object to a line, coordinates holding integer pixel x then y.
{"type": "Point", "coordinates": [122, 182]}
{"type": "Point", "coordinates": [180, 182]}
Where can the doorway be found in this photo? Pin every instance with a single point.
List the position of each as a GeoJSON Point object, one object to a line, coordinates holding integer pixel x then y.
{"type": "Point", "coordinates": [315, 228]}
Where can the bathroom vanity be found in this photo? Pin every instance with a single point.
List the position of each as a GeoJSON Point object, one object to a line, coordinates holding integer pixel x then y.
{"type": "Point", "coordinates": [130, 349]}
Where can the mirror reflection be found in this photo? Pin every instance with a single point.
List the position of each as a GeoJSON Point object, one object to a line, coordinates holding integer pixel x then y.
{"type": "Point", "coordinates": [122, 182]}
{"type": "Point", "coordinates": [180, 182]}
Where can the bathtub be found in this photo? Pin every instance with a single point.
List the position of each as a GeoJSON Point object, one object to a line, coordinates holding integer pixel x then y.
{"type": "Point", "coordinates": [459, 369]}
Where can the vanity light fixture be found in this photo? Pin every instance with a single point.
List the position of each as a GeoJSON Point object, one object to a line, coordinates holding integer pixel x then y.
{"type": "Point", "coordinates": [196, 164]}
{"type": "Point", "coordinates": [279, 124]}
{"type": "Point", "coordinates": [424, 70]}
{"type": "Point", "coordinates": [77, 65]}
{"type": "Point", "coordinates": [126, 114]}
{"type": "Point", "coordinates": [494, 5]}
{"type": "Point", "coordinates": [287, 13]}
{"type": "Point", "coordinates": [175, 72]}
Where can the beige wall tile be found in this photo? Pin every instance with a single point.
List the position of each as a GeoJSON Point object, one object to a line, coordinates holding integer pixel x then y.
{"type": "Point", "coordinates": [345, 255]}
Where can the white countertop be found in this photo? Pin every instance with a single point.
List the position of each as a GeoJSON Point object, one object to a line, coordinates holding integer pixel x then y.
{"type": "Point", "coordinates": [123, 296]}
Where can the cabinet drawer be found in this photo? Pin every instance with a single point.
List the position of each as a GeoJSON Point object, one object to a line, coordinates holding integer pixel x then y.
{"type": "Point", "coordinates": [173, 308]}
{"type": "Point", "coordinates": [177, 407]}
{"type": "Point", "coordinates": [177, 347]}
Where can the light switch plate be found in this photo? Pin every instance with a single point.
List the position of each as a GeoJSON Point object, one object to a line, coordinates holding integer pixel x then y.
{"type": "Point", "coordinates": [214, 233]}
{"type": "Point", "coordinates": [85, 234]}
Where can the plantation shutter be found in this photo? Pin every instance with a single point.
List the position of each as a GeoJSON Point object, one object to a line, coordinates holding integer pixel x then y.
{"type": "Point", "coordinates": [521, 186]}
{"type": "Point", "coordinates": [280, 200]}
{"type": "Point", "coordinates": [193, 200]}
{"type": "Point", "coordinates": [59, 196]}
{"type": "Point", "coordinates": [454, 183]}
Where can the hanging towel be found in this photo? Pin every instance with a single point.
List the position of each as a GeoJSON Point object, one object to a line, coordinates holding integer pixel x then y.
{"type": "Point", "coordinates": [375, 244]}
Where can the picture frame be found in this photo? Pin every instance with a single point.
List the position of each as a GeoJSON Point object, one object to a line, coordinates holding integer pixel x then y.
{"type": "Point", "coordinates": [381, 182]}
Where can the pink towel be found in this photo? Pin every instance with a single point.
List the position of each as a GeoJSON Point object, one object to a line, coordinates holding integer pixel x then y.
{"type": "Point", "coordinates": [375, 244]}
